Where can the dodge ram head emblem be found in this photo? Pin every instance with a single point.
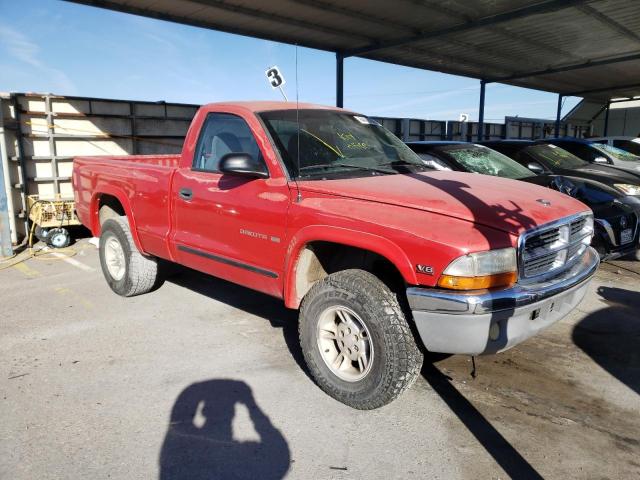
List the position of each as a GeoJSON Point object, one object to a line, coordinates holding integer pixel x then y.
{"type": "Point", "coordinates": [544, 202]}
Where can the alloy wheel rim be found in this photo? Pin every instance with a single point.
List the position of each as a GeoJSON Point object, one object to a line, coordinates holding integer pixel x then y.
{"type": "Point", "coordinates": [345, 343]}
{"type": "Point", "coordinates": [114, 258]}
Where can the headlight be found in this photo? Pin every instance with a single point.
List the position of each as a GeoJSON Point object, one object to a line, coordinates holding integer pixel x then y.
{"type": "Point", "coordinates": [628, 188]}
{"type": "Point", "coordinates": [481, 270]}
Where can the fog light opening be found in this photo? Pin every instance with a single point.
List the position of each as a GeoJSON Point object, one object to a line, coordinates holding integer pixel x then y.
{"type": "Point", "coordinates": [494, 331]}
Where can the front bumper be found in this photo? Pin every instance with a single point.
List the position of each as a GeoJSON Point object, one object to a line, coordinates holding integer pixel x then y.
{"type": "Point", "coordinates": [494, 321]}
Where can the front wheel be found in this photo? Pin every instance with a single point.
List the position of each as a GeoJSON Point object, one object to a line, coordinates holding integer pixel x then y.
{"type": "Point", "coordinates": [356, 340]}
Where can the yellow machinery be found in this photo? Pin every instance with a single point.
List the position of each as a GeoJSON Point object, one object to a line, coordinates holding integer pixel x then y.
{"type": "Point", "coordinates": [49, 217]}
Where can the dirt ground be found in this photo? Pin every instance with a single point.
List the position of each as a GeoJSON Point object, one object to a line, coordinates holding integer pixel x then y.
{"type": "Point", "coordinates": [204, 379]}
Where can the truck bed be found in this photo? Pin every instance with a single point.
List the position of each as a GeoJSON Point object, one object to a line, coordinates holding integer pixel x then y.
{"type": "Point", "coordinates": [145, 180]}
{"type": "Point", "coordinates": [157, 160]}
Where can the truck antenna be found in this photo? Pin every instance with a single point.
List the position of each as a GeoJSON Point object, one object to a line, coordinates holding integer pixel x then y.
{"type": "Point", "coordinates": [299, 196]}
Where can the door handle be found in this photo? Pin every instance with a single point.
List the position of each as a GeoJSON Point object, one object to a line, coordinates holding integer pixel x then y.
{"type": "Point", "coordinates": [186, 194]}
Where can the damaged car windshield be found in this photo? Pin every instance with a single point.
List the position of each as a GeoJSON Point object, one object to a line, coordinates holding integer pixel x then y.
{"type": "Point", "coordinates": [334, 143]}
{"type": "Point", "coordinates": [480, 159]}
{"type": "Point", "coordinates": [554, 155]}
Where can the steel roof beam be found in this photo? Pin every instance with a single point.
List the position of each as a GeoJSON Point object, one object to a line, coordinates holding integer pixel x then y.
{"type": "Point", "coordinates": [212, 25]}
{"type": "Point", "coordinates": [568, 68]}
{"type": "Point", "coordinates": [543, 7]}
{"type": "Point", "coordinates": [274, 17]}
{"type": "Point", "coordinates": [612, 89]}
{"type": "Point", "coordinates": [374, 19]}
{"type": "Point", "coordinates": [438, 7]}
{"type": "Point", "coordinates": [355, 14]}
{"type": "Point", "coordinates": [609, 22]}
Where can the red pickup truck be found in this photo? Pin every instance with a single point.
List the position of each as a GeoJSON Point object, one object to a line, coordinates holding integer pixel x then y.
{"type": "Point", "coordinates": [326, 209]}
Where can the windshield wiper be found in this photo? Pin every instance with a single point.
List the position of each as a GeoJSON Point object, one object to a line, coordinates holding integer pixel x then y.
{"type": "Point", "coordinates": [347, 165]}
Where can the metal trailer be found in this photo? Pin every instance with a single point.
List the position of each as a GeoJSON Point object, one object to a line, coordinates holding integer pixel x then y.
{"type": "Point", "coordinates": [412, 129]}
{"type": "Point", "coordinates": [41, 133]}
{"type": "Point", "coordinates": [469, 131]}
{"type": "Point", "coordinates": [537, 128]}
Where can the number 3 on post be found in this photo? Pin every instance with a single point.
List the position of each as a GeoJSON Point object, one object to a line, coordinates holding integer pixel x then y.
{"type": "Point", "coordinates": [276, 79]}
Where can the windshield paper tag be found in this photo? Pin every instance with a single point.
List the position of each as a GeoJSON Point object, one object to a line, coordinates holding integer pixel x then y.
{"type": "Point", "coordinates": [363, 120]}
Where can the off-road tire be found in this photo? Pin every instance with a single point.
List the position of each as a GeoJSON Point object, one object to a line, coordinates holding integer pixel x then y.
{"type": "Point", "coordinates": [141, 274]}
{"type": "Point", "coordinates": [397, 360]}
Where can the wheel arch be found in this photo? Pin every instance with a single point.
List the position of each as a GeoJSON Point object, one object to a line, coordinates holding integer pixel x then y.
{"type": "Point", "coordinates": [113, 198]}
{"type": "Point", "coordinates": [303, 266]}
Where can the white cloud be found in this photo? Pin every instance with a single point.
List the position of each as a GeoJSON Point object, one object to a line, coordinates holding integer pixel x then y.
{"type": "Point", "coordinates": [19, 46]}
{"type": "Point", "coordinates": [25, 50]}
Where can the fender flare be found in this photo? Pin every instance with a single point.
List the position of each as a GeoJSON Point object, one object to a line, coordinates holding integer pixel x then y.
{"type": "Point", "coordinates": [344, 236]}
{"type": "Point", "coordinates": [124, 201]}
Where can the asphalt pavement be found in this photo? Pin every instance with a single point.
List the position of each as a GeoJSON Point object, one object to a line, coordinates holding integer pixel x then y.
{"type": "Point", "coordinates": [205, 379]}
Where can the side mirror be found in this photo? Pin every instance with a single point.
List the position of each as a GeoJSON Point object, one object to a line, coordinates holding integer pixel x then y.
{"type": "Point", "coordinates": [600, 160]}
{"type": "Point", "coordinates": [535, 168]}
{"type": "Point", "coordinates": [244, 165]}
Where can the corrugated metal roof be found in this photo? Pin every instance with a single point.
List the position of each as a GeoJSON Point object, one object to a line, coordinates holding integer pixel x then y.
{"type": "Point", "coordinates": [563, 46]}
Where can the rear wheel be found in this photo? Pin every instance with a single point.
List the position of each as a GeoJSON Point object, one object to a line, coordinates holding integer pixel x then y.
{"type": "Point", "coordinates": [356, 340]}
{"type": "Point", "coordinates": [126, 270]}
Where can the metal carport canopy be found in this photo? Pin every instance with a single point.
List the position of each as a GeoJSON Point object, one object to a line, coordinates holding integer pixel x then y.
{"type": "Point", "coordinates": [588, 48]}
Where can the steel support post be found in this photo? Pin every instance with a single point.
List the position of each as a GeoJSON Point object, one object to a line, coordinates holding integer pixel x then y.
{"type": "Point", "coordinates": [5, 227]}
{"type": "Point", "coordinates": [5, 180]}
{"type": "Point", "coordinates": [558, 114]}
{"type": "Point", "coordinates": [339, 80]}
{"type": "Point", "coordinates": [483, 84]}
{"type": "Point", "coordinates": [606, 120]}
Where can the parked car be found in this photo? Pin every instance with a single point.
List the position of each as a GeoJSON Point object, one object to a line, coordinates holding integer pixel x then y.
{"type": "Point", "coordinates": [542, 157]}
{"type": "Point", "coordinates": [629, 144]}
{"type": "Point", "coordinates": [600, 153]}
{"type": "Point", "coordinates": [616, 229]}
{"type": "Point", "coordinates": [330, 212]}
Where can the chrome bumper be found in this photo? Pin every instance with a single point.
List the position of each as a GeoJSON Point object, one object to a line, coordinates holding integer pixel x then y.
{"type": "Point", "coordinates": [493, 321]}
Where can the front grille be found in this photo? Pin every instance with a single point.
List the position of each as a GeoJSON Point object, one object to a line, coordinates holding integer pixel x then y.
{"type": "Point", "coordinates": [577, 226]}
{"type": "Point", "coordinates": [554, 246]}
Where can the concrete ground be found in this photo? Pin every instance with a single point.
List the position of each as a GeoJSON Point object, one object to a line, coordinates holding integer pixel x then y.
{"type": "Point", "coordinates": [90, 384]}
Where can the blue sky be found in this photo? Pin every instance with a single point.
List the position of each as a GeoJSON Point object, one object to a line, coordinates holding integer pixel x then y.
{"type": "Point", "coordinates": [68, 49]}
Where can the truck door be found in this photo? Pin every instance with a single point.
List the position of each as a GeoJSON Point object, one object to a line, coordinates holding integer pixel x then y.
{"type": "Point", "coordinates": [226, 225]}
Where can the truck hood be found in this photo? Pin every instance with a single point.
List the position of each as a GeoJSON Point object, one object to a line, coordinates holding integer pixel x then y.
{"type": "Point", "coordinates": [507, 205]}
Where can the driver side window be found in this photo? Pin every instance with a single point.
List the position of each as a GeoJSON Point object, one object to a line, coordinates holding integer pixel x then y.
{"type": "Point", "coordinates": [223, 133]}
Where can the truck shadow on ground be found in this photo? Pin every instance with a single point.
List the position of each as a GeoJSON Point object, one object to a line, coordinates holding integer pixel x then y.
{"type": "Point", "coordinates": [273, 310]}
{"type": "Point", "coordinates": [200, 443]}
{"type": "Point", "coordinates": [247, 300]}
{"type": "Point", "coordinates": [496, 445]}
{"type": "Point", "coordinates": [611, 336]}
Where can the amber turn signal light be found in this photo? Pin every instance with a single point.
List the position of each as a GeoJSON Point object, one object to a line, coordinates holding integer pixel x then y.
{"type": "Point", "coordinates": [483, 282]}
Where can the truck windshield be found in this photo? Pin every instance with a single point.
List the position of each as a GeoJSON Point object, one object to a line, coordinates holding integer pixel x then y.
{"type": "Point", "coordinates": [616, 153]}
{"type": "Point", "coordinates": [480, 159]}
{"type": "Point", "coordinates": [554, 156]}
{"type": "Point", "coordinates": [333, 142]}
